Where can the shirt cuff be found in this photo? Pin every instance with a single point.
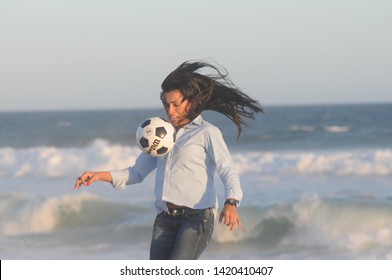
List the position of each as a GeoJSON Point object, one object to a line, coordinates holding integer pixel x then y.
{"type": "Point", "coordinates": [119, 179]}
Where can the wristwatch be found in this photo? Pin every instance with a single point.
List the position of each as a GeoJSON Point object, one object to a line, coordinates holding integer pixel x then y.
{"type": "Point", "coordinates": [232, 201]}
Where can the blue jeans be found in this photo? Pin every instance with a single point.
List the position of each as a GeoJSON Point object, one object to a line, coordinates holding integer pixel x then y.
{"type": "Point", "coordinates": [181, 235]}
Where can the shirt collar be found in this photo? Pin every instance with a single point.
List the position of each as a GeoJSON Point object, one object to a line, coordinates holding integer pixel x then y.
{"type": "Point", "coordinates": [196, 121]}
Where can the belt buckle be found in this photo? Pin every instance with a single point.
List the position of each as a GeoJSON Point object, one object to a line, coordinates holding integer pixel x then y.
{"type": "Point", "coordinates": [177, 212]}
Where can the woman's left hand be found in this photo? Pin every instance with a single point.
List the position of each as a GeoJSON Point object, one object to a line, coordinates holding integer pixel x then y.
{"type": "Point", "coordinates": [230, 216]}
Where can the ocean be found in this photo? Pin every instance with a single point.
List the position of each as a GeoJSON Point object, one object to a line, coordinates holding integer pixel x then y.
{"type": "Point", "coordinates": [317, 184]}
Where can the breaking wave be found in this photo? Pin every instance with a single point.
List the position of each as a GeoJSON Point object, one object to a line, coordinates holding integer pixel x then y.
{"type": "Point", "coordinates": [52, 162]}
{"type": "Point", "coordinates": [24, 214]}
{"type": "Point", "coordinates": [360, 229]}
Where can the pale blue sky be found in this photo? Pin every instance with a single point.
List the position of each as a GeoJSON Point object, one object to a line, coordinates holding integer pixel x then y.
{"type": "Point", "coordinates": [96, 54]}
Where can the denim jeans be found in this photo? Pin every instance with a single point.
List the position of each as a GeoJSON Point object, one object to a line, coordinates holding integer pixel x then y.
{"type": "Point", "coordinates": [181, 236]}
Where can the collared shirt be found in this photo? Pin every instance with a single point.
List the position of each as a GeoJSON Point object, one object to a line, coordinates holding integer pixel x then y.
{"type": "Point", "coordinates": [185, 176]}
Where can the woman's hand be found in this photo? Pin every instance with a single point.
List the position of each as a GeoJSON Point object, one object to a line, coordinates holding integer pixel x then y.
{"type": "Point", "coordinates": [230, 216]}
{"type": "Point", "coordinates": [87, 178]}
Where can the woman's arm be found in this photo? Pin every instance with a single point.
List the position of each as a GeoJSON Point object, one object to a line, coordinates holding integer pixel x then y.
{"type": "Point", "coordinates": [143, 166]}
{"type": "Point", "coordinates": [87, 178]}
{"type": "Point", "coordinates": [227, 171]}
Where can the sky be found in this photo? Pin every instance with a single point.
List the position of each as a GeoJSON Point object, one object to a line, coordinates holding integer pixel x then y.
{"type": "Point", "coordinates": [98, 54]}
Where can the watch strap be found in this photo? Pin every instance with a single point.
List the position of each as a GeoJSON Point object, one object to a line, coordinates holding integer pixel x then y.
{"type": "Point", "coordinates": [232, 201]}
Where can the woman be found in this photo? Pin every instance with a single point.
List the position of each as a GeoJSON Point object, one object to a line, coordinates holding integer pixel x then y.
{"type": "Point", "coordinates": [185, 197]}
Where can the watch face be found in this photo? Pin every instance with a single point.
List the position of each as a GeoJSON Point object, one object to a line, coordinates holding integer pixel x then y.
{"type": "Point", "coordinates": [232, 202]}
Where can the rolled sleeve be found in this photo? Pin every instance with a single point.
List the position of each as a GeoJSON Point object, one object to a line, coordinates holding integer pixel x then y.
{"type": "Point", "coordinates": [132, 175]}
{"type": "Point", "coordinates": [119, 178]}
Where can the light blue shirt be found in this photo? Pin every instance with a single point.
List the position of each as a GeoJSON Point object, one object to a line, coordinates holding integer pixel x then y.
{"type": "Point", "coordinates": [185, 176]}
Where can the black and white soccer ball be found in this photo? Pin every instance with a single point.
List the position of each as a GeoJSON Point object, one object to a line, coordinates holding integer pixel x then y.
{"type": "Point", "coordinates": [156, 136]}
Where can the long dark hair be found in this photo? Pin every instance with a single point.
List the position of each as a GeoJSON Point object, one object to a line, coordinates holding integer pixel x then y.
{"type": "Point", "coordinates": [211, 92]}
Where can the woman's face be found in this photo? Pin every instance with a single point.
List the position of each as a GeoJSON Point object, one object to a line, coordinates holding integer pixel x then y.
{"type": "Point", "coordinates": [176, 107]}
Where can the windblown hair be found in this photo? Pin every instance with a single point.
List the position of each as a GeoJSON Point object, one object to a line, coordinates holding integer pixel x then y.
{"type": "Point", "coordinates": [211, 92]}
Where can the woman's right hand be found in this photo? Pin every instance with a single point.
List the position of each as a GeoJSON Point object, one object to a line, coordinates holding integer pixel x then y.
{"type": "Point", "coordinates": [87, 178]}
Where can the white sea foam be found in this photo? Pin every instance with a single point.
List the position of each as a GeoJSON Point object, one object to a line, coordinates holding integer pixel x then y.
{"type": "Point", "coordinates": [337, 129]}
{"type": "Point", "coordinates": [355, 227]}
{"type": "Point", "coordinates": [342, 229]}
{"type": "Point", "coordinates": [358, 230]}
{"type": "Point", "coordinates": [329, 128]}
{"type": "Point", "coordinates": [359, 163]}
{"type": "Point", "coordinates": [25, 214]}
{"type": "Point", "coordinates": [51, 162]}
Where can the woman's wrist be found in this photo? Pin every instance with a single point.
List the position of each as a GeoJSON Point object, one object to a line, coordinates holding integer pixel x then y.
{"type": "Point", "coordinates": [104, 176]}
{"type": "Point", "coordinates": [232, 202]}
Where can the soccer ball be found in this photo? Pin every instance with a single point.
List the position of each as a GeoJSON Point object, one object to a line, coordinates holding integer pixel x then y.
{"type": "Point", "coordinates": [156, 136]}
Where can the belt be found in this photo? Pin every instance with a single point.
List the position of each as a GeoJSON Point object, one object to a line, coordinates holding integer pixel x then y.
{"type": "Point", "coordinates": [180, 212]}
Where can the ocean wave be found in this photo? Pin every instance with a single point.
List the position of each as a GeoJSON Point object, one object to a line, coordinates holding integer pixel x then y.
{"type": "Point", "coordinates": [339, 163]}
{"type": "Point", "coordinates": [52, 162]}
{"type": "Point", "coordinates": [354, 228]}
{"type": "Point", "coordinates": [25, 214]}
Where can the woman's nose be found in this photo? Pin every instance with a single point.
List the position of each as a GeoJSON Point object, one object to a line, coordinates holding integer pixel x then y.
{"type": "Point", "coordinates": [170, 110]}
